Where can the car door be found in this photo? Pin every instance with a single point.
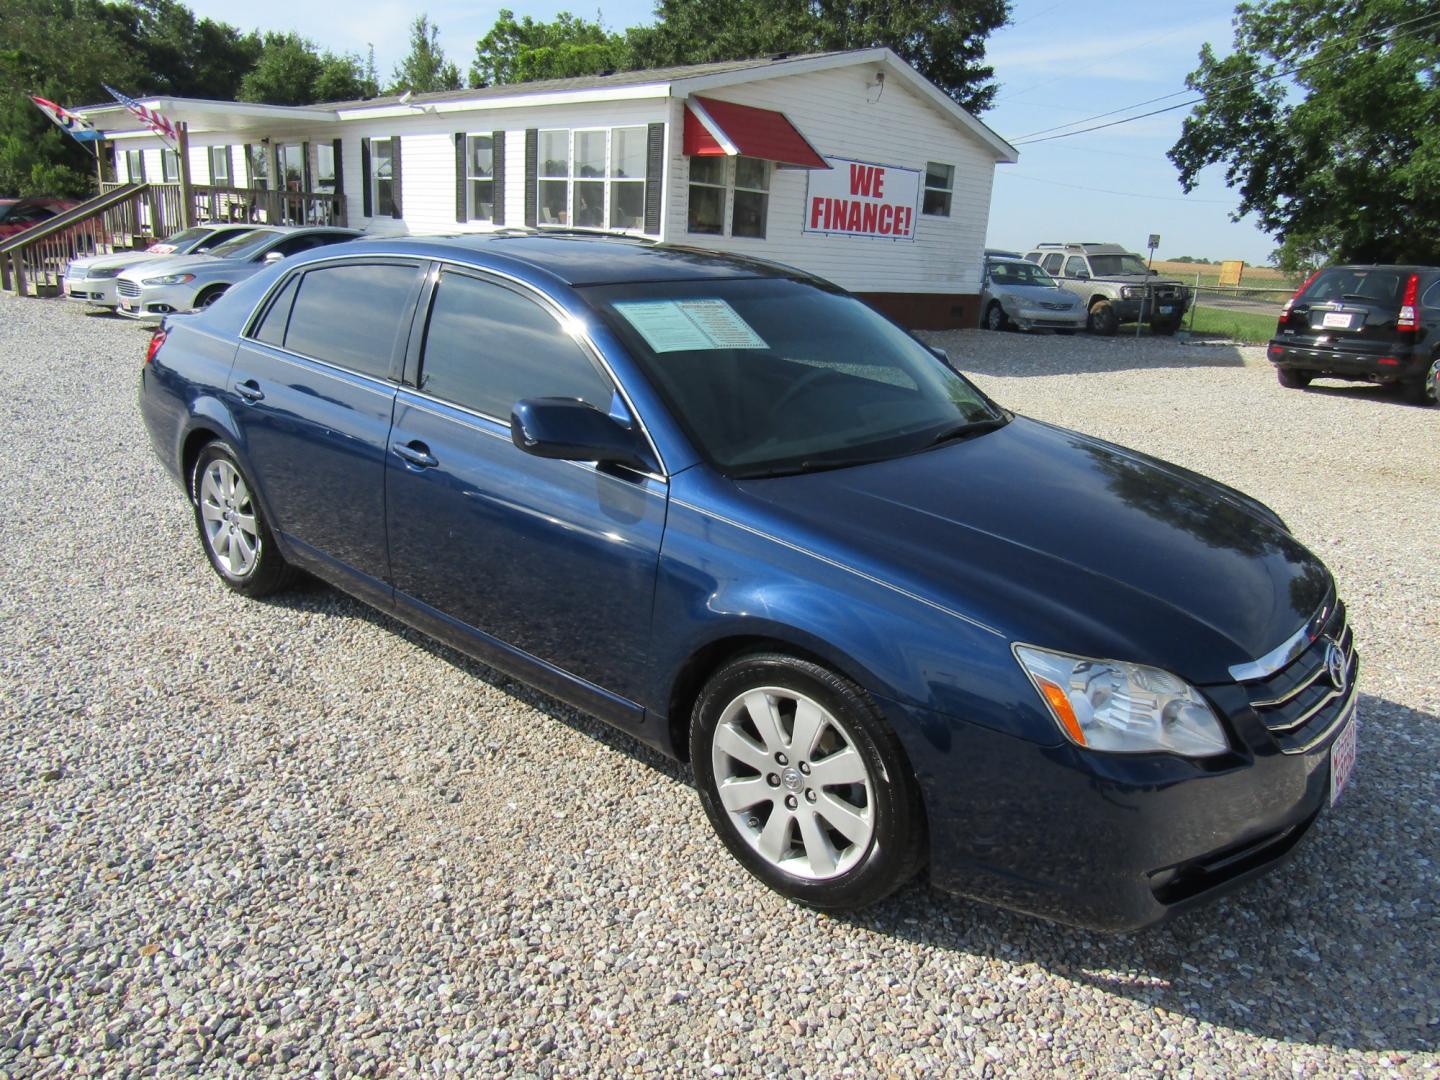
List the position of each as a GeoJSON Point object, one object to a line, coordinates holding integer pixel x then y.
{"type": "Point", "coordinates": [314, 386]}
{"type": "Point", "coordinates": [556, 559]}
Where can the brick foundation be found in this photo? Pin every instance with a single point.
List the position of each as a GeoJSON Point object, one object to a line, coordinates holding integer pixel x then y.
{"type": "Point", "coordinates": [928, 311]}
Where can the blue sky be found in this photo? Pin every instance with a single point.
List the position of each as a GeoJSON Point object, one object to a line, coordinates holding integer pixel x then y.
{"type": "Point", "coordinates": [1058, 62]}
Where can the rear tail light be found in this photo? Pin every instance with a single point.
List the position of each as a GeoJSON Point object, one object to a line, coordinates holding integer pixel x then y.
{"type": "Point", "coordinates": [156, 340]}
{"type": "Point", "coordinates": [1276, 350]}
{"type": "Point", "coordinates": [1290, 303]}
{"type": "Point", "coordinates": [1407, 319]}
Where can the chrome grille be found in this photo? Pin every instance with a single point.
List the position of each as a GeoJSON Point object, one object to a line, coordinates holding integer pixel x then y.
{"type": "Point", "coordinates": [1300, 703]}
{"type": "Point", "coordinates": [127, 288]}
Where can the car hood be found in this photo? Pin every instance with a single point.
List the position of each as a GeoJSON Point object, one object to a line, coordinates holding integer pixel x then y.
{"type": "Point", "coordinates": [1037, 294]}
{"type": "Point", "coordinates": [175, 264]}
{"type": "Point", "coordinates": [108, 262]}
{"type": "Point", "coordinates": [1069, 543]}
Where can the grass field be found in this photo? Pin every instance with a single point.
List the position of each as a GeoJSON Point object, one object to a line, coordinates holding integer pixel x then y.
{"type": "Point", "coordinates": [1241, 326]}
{"type": "Point", "coordinates": [1255, 277]}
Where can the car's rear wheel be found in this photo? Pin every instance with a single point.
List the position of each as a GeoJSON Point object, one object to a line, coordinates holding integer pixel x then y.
{"type": "Point", "coordinates": [1427, 390]}
{"type": "Point", "coordinates": [995, 317]}
{"type": "Point", "coordinates": [233, 531]}
{"type": "Point", "coordinates": [805, 782]}
{"type": "Point", "coordinates": [1103, 319]}
{"type": "Point", "coordinates": [1293, 378]}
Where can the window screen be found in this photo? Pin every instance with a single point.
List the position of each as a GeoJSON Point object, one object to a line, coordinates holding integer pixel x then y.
{"type": "Point", "coordinates": [349, 315]}
{"type": "Point", "coordinates": [488, 347]}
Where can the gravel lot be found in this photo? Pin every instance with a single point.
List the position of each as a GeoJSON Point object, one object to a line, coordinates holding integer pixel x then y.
{"type": "Point", "coordinates": [296, 837]}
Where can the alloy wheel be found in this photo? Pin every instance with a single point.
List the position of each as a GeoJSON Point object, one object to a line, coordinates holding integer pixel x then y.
{"type": "Point", "coordinates": [227, 515]}
{"type": "Point", "coordinates": [793, 783]}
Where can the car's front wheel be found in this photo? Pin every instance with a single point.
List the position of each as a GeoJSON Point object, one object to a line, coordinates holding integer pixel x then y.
{"type": "Point", "coordinates": [209, 296]}
{"type": "Point", "coordinates": [1427, 390]}
{"type": "Point", "coordinates": [1293, 378]}
{"type": "Point", "coordinates": [1103, 319]}
{"type": "Point", "coordinates": [805, 782]}
{"type": "Point", "coordinates": [995, 317]}
{"type": "Point", "coordinates": [232, 528]}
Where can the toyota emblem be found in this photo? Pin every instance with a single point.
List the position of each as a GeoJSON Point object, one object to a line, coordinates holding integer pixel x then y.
{"type": "Point", "coordinates": [1335, 665]}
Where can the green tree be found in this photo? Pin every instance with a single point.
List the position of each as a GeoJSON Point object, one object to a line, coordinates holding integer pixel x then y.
{"type": "Point", "coordinates": [285, 73]}
{"type": "Point", "coordinates": [524, 50]}
{"type": "Point", "coordinates": [425, 69]}
{"type": "Point", "coordinates": [344, 78]}
{"type": "Point", "coordinates": [1323, 117]}
{"type": "Point", "coordinates": [943, 39]}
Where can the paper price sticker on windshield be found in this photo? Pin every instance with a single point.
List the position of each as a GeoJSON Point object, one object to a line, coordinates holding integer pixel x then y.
{"type": "Point", "coordinates": [686, 325]}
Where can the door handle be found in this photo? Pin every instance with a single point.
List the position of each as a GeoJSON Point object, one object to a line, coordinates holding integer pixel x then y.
{"type": "Point", "coordinates": [417, 454]}
{"type": "Point", "coordinates": [250, 390]}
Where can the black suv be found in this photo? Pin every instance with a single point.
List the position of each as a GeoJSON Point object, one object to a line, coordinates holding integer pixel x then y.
{"type": "Point", "coordinates": [1377, 324]}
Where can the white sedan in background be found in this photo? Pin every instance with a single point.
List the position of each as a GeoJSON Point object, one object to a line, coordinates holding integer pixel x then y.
{"type": "Point", "coordinates": [189, 282]}
{"type": "Point", "coordinates": [91, 280]}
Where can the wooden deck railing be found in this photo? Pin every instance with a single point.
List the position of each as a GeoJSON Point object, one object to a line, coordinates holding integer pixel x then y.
{"type": "Point", "coordinates": [126, 216]}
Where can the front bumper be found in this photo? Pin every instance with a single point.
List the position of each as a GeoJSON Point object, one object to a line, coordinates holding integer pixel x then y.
{"type": "Point", "coordinates": [1159, 309]}
{"type": "Point", "coordinates": [1399, 364]}
{"type": "Point", "coordinates": [1118, 842]}
{"type": "Point", "coordinates": [154, 302]}
{"type": "Point", "coordinates": [1044, 319]}
{"type": "Point", "coordinates": [99, 292]}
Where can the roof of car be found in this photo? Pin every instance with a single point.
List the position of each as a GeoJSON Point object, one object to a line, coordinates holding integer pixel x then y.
{"type": "Point", "coordinates": [578, 259]}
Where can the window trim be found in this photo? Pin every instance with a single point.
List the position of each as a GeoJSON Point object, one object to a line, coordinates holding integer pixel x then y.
{"type": "Point", "coordinates": [399, 358]}
{"type": "Point", "coordinates": [216, 153]}
{"type": "Point", "coordinates": [420, 318]}
{"type": "Point", "coordinates": [927, 187]}
{"type": "Point", "coordinates": [607, 179]}
{"type": "Point", "coordinates": [376, 210]}
{"type": "Point", "coordinates": [496, 194]}
{"type": "Point", "coordinates": [728, 189]}
{"type": "Point", "coordinates": [167, 157]}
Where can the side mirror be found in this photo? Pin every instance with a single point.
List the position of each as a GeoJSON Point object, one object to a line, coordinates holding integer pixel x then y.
{"type": "Point", "coordinates": [571, 430]}
{"type": "Point", "coordinates": [272, 257]}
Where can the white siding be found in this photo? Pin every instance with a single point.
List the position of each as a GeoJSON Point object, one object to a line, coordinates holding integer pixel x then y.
{"type": "Point", "coordinates": [833, 111]}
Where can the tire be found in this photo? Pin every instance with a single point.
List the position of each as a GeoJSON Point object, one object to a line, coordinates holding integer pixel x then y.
{"type": "Point", "coordinates": [865, 836]}
{"type": "Point", "coordinates": [1103, 320]}
{"type": "Point", "coordinates": [209, 296]}
{"type": "Point", "coordinates": [1427, 390]}
{"type": "Point", "coordinates": [1293, 378]}
{"type": "Point", "coordinates": [995, 318]}
{"type": "Point", "coordinates": [233, 532]}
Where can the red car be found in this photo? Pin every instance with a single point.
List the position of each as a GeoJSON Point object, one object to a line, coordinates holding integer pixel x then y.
{"type": "Point", "coordinates": [16, 215]}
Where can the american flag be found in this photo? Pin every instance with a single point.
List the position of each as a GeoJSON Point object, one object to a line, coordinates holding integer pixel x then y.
{"type": "Point", "coordinates": [149, 117]}
{"type": "Point", "coordinates": [77, 127]}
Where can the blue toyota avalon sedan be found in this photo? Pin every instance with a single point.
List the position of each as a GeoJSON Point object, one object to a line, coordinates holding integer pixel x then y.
{"type": "Point", "coordinates": [733, 511]}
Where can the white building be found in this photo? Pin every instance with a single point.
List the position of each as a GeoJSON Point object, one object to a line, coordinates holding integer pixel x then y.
{"type": "Point", "coordinates": [849, 165]}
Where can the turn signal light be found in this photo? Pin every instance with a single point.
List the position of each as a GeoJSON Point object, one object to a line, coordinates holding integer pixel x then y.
{"type": "Point", "coordinates": [156, 340]}
{"type": "Point", "coordinates": [1064, 711]}
{"type": "Point", "coordinates": [1407, 319]}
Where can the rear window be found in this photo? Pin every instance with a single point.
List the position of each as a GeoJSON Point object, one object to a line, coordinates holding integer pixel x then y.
{"type": "Point", "coordinates": [1364, 284]}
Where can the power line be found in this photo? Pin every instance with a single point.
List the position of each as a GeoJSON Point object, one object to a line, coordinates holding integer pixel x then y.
{"type": "Point", "coordinates": [1388, 32]}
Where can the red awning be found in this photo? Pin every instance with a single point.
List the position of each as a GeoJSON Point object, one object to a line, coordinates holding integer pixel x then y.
{"type": "Point", "coordinates": [719, 128]}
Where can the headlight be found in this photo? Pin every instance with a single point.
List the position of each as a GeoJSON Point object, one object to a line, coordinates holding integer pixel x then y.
{"type": "Point", "coordinates": [169, 279]}
{"type": "Point", "coordinates": [1123, 708]}
{"type": "Point", "coordinates": [96, 275]}
{"type": "Point", "coordinates": [1128, 293]}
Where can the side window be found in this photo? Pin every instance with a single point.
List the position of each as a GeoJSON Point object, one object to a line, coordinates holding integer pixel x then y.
{"type": "Point", "coordinates": [1431, 298]}
{"type": "Point", "coordinates": [1033, 256]}
{"type": "Point", "coordinates": [300, 243]}
{"type": "Point", "coordinates": [487, 347]}
{"type": "Point", "coordinates": [939, 186]}
{"type": "Point", "coordinates": [271, 328]}
{"type": "Point", "coordinates": [1052, 262]}
{"type": "Point", "coordinates": [350, 315]}
{"type": "Point", "coordinates": [1075, 266]}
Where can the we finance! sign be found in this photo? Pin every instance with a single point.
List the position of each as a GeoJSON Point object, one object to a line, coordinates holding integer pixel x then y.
{"type": "Point", "coordinates": [859, 198]}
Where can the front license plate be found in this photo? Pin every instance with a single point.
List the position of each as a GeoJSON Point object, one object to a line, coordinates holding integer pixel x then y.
{"type": "Point", "coordinates": [1336, 320]}
{"type": "Point", "coordinates": [1342, 760]}
{"type": "Point", "coordinates": [1166, 309]}
{"type": "Point", "coordinates": [128, 306]}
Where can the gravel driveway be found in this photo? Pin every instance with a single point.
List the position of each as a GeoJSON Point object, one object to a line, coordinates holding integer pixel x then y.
{"type": "Point", "coordinates": [297, 837]}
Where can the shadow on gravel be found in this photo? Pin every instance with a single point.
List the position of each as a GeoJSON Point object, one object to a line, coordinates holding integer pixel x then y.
{"type": "Point", "coordinates": [313, 595]}
{"type": "Point", "coordinates": [1028, 355]}
{"type": "Point", "coordinates": [1338, 947]}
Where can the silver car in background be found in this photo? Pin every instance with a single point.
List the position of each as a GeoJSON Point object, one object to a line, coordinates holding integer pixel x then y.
{"type": "Point", "coordinates": [189, 282]}
{"type": "Point", "coordinates": [1019, 294]}
{"type": "Point", "coordinates": [91, 280]}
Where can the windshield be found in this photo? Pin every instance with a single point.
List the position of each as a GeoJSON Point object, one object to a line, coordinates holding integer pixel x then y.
{"type": "Point", "coordinates": [1116, 265]}
{"type": "Point", "coordinates": [188, 239]}
{"type": "Point", "coordinates": [1019, 273]}
{"type": "Point", "coordinates": [771, 375]}
{"type": "Point", "coordinates": [244, 245]}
